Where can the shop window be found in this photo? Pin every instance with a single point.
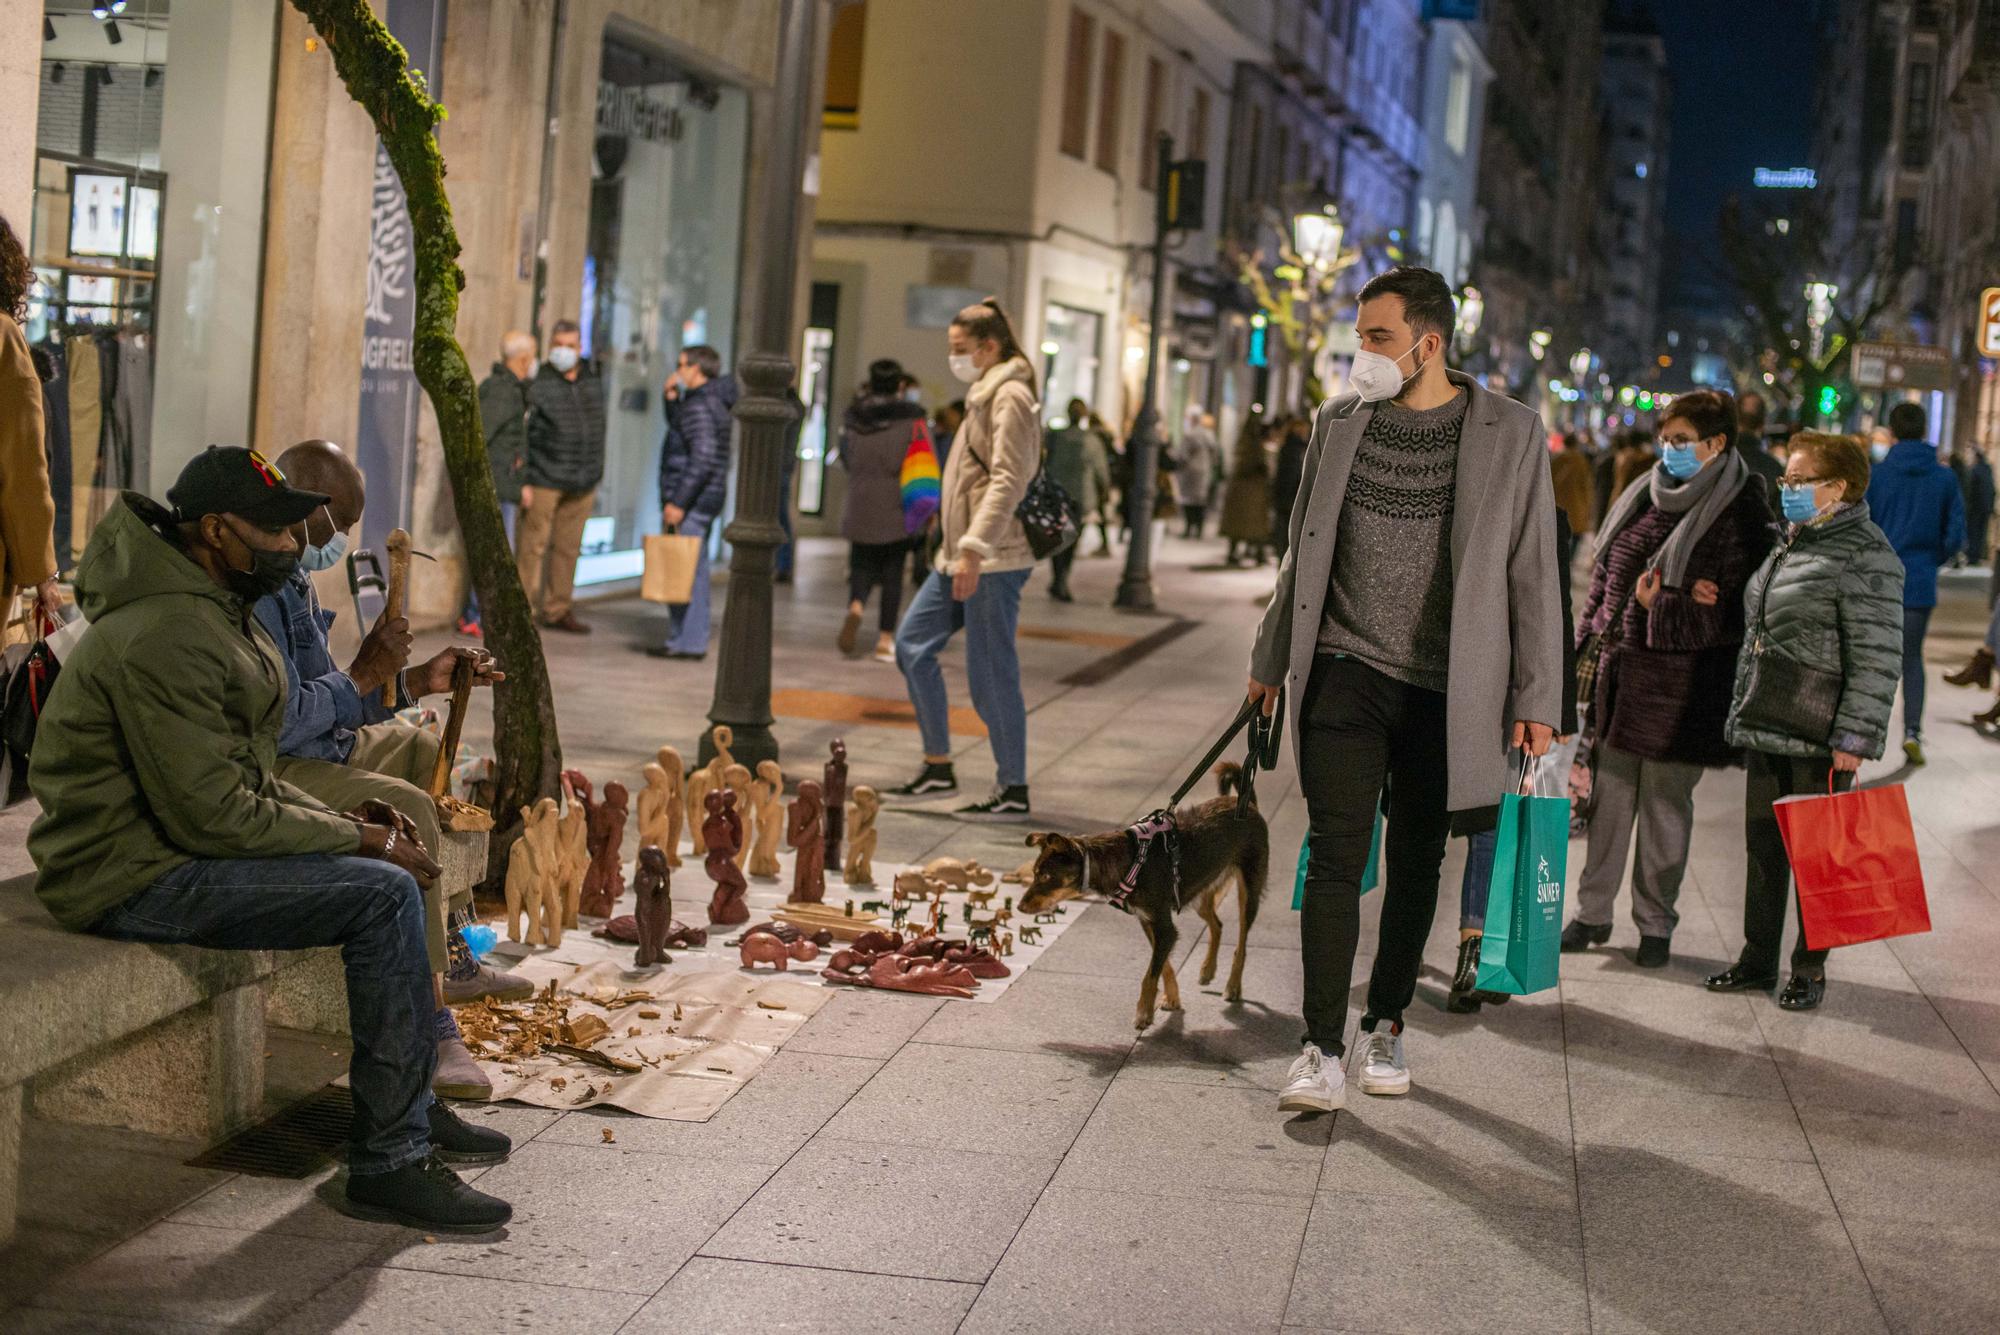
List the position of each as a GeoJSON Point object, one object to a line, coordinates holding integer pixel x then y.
{"type": "Point", "coordinates": [1149, 130]}
{"type": "Point", "coordinates": [1076, 84]}
{"type": "Point", "coordinates": [1071, 340]}
{"type": "Point", "coordinates": [1111, 101]}
{"type": "Point", "coordinates": [843, 68]}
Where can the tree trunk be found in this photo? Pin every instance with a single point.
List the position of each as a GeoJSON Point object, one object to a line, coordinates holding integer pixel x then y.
{"type": "Point", "coordinates": [375, 68]}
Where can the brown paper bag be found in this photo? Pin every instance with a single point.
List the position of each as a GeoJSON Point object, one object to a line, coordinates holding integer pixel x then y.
{"type": "Point", "coordinates": [670, 566]}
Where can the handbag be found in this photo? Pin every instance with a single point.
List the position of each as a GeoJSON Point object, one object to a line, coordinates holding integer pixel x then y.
{"type": "Point", "coordinates": [1596, 647]}
{"type": "Point", "coordinates": [1854, 856]}
{"type": "Point", "coordinates": [1524, 908]}
{"type": "Point", "coordinates": [27, 675]}
{"type": "Point", "coordinates": [1047, 515]}
{"type": "Point", "coordinates": [1783, 695]}
{"type": "Point", "coordinates": [671, 562]}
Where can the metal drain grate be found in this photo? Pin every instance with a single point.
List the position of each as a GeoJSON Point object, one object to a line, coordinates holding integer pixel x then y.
{"type": "Point", "coordinates": [296, 1142]}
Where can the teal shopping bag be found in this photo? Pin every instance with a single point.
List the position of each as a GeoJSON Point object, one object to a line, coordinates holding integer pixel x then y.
{"type": "Point", "coordinates": [1524, 912]}
{"type": "Point", "coordinates": [1371, 875]}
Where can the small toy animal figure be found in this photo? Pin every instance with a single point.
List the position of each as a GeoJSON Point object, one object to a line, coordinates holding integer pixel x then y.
{"type": "Point", "coordinates": [722, 834]}
{"type": "Point", "coordinates": [532, 870]}
{"type": "Point", "coordinates": [767, 805]}
{"type": "Point", "coordinates": [833, 797]}
{"type": "Point", "coordinates": [1218, 846]}
{"type": "Point", "coordinates": [956, 874]}
{"type": "Point", "coordinates": [655, 907]}
{"type": "Point", "coordinates": [737, 780]}
{"type": "Point", "coordinates": [764, 948]}
{"type": "Point", "coordinates": [860, 866]}
{"type": "Point", "coordinates": [659, 813]}
{"type": "Point", "coordinates": [806, 833]}
{"type": "Point", "coordinates": [1031, 935]}
{"type": "Point", "coordinates": [605, 880]}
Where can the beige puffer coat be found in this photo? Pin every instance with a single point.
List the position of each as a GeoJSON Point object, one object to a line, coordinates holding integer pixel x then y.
{"type": "Point", "coordinates": [994, 457]}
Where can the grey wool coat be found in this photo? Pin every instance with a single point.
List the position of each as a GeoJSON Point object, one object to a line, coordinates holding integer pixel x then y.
{"type": "Point", "coordinates": [1506, 611]}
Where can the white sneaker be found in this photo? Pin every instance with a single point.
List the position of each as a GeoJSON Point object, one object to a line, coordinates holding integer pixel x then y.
{"type": "Point", "coordinates": [1317, 1084]}
{"type": "Point", "coordinates": [1379, 1064]}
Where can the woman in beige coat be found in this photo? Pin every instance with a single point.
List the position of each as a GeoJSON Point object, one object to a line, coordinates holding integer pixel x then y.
{"type": "Point", "coordinates": [981, 567]}
{"type": "Point", "coordinates": [27, 510]}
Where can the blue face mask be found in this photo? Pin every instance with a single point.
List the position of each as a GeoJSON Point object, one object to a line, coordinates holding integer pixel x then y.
{"type": "Point", "coordinates": [1680, 461]}
{"type": "Point", "coordinates": [325, 556]}
{"type": "Point", "coordinates": [1798, 503]}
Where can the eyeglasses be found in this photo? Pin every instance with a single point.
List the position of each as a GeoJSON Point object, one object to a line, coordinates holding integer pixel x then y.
{"type": "Point", "coordinates": [1789, 481]}
{"type": "Point", "coordinates": [1680, 442]}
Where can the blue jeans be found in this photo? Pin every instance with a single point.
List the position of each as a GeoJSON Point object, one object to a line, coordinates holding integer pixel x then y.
{"type": "Point", "coordinates": [687, 623]}
{"type": "Point", "coordinates": [992, 668]}
{"type": "Point", "coordinates": [507, 512]}
{"type": "Point", "coordinates": [1916, 625]}
{"type": "Point", "coordinates": [1478, 883]}
{"type": "Point", "coordinates": [375, 913]}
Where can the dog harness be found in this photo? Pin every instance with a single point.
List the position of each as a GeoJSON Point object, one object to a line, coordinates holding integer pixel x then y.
{"type": "Point", "coordinates": [1157, 832]}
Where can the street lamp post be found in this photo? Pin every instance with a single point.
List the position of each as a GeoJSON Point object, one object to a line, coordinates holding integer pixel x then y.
{"type": "Point", "coordinates": [1135, 590]}
{"type": "Point", "coordinates": [743, 661]}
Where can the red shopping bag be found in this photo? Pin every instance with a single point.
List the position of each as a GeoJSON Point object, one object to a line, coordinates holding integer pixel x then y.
{"type": "Point", "coordinates": [1855, 857]}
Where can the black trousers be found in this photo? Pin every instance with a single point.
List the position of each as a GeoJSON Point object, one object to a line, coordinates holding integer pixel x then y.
{"type": "Point", "coordinates": [1767, 880]}
{"type": "Point", "coordinates": [1358, 729]}
{"type": "Point", "coordinates": [1059, 566]}
{"type": "Point", "coordinates": [877, 564]}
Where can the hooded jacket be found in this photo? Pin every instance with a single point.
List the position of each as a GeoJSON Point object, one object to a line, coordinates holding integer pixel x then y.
{"type": "Point", "coordinates": [694, 462]}
{"type": "Point", "coordinates": [158, 742]}
{"type": "Point", "coordinates": [878, 432]}
{"type": "Point", "coordinates": [1916, 503]}
{"type": "Point", "coordinates": [565, 431]}
{"type": "Point", "coordinates": [994, 458]}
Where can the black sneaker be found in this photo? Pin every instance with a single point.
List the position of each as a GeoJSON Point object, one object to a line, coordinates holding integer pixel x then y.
{"type": "Point", "coordinates": [426, 1195]}
{"type": "Point", "coordinates": [1654, 952]}
{"type": "Point", "coordinates": [931, 781]}
{"type": "Point", "coordinates": [1005, 804]}
{"type": "Point", "coordinates": [456, 1140]}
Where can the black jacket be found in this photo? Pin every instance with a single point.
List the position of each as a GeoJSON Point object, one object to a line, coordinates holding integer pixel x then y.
{"type": "Point", "coordinates": [877, 432]}
{"type": "Point", "coordinates": [694, 462]}
{"type": "Point", "coordinates": [565, 431]}
{"type": "Point", "coordinates": [503, 411]}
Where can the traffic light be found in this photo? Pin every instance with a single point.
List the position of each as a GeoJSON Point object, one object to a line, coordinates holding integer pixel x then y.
{"type": "Point", "coordinates": [1829, 401]}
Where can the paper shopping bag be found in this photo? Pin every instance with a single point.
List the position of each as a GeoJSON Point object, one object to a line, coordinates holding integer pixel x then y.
{"type": "Point", "coordinates": [670, 565]}
{"type": "Point", "coordinates": [1855, 858]}
{"type": "Point", "coordinates": [1521, 952]}
{"type": "Point", "coordinates": [1371, 875]}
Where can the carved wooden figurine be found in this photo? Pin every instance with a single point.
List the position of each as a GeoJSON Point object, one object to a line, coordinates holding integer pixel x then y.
{"type": "Point", "coordinates": [737, 780]}
{"type": "Point", "coordinates": [533, 871]}
{"type": "Point", "coordinates": [712, 778]}
{"type": "Point", "coordinates": [656, 812]}
{"type": "Point", "coordinates": [833, 796]}
{"type": "Point", "coordinates": [860, 865]}
{"type": "Point", "coordinates": [668, 759]}
{"type": "Point", "coordinates": [767, 804]}
{"type": "Point", "coordinates": [722, 834]}
{"type": "Point", "coordinates": [605, 880]}
{"type": "Point", "coordinates": [806, 833]}
{"type": "Point", "coordinates": [655, 906]}
{"type": "Point", "coordinates": [582, 809]}
{"type": "Point", "coordinates": [695, 799]}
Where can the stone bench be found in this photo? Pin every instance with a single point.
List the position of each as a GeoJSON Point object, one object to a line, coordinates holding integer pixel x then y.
{"type": "Point", "coordinates": [162, 1039]}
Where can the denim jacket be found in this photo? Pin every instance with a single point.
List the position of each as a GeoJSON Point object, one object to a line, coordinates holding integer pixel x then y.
{"type": "Point", "coordinates": [322, 707]}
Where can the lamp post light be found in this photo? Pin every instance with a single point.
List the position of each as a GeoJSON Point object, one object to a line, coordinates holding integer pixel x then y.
{"type": "Point", "coordinates": [1317, 237]}
{"type": "Point", "coordinates": [1819, 312]}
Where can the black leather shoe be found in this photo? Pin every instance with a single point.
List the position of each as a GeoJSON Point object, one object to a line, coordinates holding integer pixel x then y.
{"type": "Point", "coordinates": [1802, 992]}
{"type": "Point", "coordinates": [1742, 978]}
{"type": "Point", "coordinates": [456, 1140]}
{"type": "Point", "coordinates": [1580, 935]}
{"type": "Point", "coordinates": [1653, 953]}
{"type": "Point", "coordinates": [426, 1195]}
{"type": "Point", "coordinates": [1463, 998]}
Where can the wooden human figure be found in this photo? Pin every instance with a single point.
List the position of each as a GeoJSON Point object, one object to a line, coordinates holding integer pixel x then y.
{"type": "Point", "coordinates": [722, 834]}
{"type": "Point", "coordinates": [651, 813]}
{"type": "Point", "coordinates": [859, 869]}
{"type": "Point", "coordinates": [669, 760]}
{"type": "Point", "coordinates": [833, 794]}
{"type": "Point", "coordinates": [533, 871]}
{"type": "Point", "coordinates": [575, 842]}
{"type": "Point", "coordinates": [695, 798]}
{"type": "Point", "coordinates": [653, 905]}
{"type": "Point", "coordinates": [767, 804]}
{"type": "Point", "coordinates": [605, 879]}
{"type": "Point", "coordinates": [736, 779]}
{"type": "Point", "coordinates": [806, 833]}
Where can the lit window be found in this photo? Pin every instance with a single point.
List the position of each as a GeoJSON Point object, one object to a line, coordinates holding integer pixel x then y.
{"type": "Point", "coordinates": [1639, 170]}
{"type": "Point", "coordinates": [1458, 106]}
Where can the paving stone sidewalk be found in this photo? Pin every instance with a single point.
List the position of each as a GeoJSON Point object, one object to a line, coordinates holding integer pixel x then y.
{"type": "Point", "coordinates": [1627, 1153]}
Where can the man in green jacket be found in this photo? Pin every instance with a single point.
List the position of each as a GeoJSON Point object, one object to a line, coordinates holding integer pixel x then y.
{"type": "Point", "coordinates": [503, 411]}
{"type": "Point", "coordinates": [163, 819]}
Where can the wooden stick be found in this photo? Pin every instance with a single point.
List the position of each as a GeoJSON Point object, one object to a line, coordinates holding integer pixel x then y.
{"type": "Point", "coordinates": [398, 594]}
{"type": "Point", "coordinates": [454, 724]}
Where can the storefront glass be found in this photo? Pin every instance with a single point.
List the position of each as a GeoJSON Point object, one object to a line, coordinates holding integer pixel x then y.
{"type": "Point", "coordinates": [1071, 343]}
{"type": "Point", "coordinates": [146, 237]}
{"type": "Point", "coordinates": [661, 268]}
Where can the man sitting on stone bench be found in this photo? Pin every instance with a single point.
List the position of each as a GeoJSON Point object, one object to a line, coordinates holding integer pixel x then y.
{"type": "Point", "coordinates": [163, 819]}
{"type": "Point", "coordinates": [343, 745]}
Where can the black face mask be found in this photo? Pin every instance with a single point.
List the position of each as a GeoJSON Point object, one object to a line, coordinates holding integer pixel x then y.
{"type": "Point", "coordinates": [269, 572]}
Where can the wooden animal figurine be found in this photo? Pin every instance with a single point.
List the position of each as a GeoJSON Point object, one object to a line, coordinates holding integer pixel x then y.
{"type": "Point", "coordinates": [764, 948]}
{"type": "Point", "coordinates": [722, 835]}
{"type": "Point", "coordinates": [605, 879]}
{"type": "Point", "coordinates": [658, 813]}
{"type": "Point", "coordinates": [979, 899]}
{"type": "Point", "coordinates": [860, 866]}
{"type": "Point", "coordinates": [957, 874]}
{"type": "Point", "coordinates": [1006, 943]}
{"type": "Point", "coordinates": [806, 833]}
{"type": "Point", "coordinates": [737, 780]}
{"type": "Point", "coordinates": [533, 870]}
{"type": "Point", "coordinates": [654, 904]}
{"type": "Point", "coordinates": [668, 759]}
{"type": "Point", "coordinates": [1031, 935]}
{"type": "Point", "coordinates": [767, 802]}
{"type": "Point", "coordinates": [833, 798]}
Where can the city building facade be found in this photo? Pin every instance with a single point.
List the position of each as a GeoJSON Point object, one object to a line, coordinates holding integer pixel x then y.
{"type": "Point", "coordinates": [1638, 100]}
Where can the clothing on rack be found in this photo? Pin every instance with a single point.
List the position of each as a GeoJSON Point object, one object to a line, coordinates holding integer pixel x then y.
{"type": "Point", "coordinates": [51, 364]}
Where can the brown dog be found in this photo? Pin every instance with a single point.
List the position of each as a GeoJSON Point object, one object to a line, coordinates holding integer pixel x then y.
{"type": "Point", "coordinates": [1217, 843]}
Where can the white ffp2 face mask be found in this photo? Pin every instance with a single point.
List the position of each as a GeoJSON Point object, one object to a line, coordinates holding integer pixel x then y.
{"type": "Point", "coordinates": [962, 368]}
{"type": "Point", "coordinates": [1376, 377]}
{"type": "Point", "coordinates": [564, 359]}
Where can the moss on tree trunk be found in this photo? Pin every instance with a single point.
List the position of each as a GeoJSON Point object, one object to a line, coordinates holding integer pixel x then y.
{"type": "Point", "coordinates": [376, 70]}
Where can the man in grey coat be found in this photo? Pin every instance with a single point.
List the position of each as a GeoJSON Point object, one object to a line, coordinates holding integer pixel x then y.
{"type": "Point", "coordinates": [1417, 634]}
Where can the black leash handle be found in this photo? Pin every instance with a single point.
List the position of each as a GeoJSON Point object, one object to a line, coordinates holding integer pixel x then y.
{"type": "Point", "coordinates": [1265, 730]}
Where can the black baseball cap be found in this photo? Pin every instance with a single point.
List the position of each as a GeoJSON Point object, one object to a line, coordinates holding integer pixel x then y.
{"type": "Point", "coordinates": [232, 480]}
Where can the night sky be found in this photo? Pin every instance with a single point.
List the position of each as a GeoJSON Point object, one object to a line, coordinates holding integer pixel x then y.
{"type": "Point", "coordinates": [1743, 99]}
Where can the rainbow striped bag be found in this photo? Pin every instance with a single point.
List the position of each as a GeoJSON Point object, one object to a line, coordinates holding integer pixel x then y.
{"type": "Point", "coordinates": [921, 481]}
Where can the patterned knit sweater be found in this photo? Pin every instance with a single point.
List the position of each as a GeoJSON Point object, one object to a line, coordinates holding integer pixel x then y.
{"type": "Point", "coordinates": [1389, 600]}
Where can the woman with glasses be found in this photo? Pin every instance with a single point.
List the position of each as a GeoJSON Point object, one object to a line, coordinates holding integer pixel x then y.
{"type": "Point", "coordinates": [1814, 687]}
{"type": "Point", "coordinates": [1658, 641]}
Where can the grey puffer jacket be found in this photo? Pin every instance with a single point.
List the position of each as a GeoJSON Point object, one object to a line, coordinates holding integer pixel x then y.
{"type": "Point", "coordinates": [1831, 597]}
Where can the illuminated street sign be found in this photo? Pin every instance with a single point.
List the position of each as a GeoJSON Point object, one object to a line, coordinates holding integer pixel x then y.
{"type": "Point", "coordinates": [1989, 322]}
{"type": "Point", "coordinates": [1787, 178]}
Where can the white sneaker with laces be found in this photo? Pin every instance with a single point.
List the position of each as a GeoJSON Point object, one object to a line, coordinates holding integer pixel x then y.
{"type": "Point", "coordinates": [1317, 1084]}
{"type": "Point", "coordinates": [1379, 1064]}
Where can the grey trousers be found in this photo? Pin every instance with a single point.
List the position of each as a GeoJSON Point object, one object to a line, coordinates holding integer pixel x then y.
{"type": "Point", "coordinates": [1659, 796]}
